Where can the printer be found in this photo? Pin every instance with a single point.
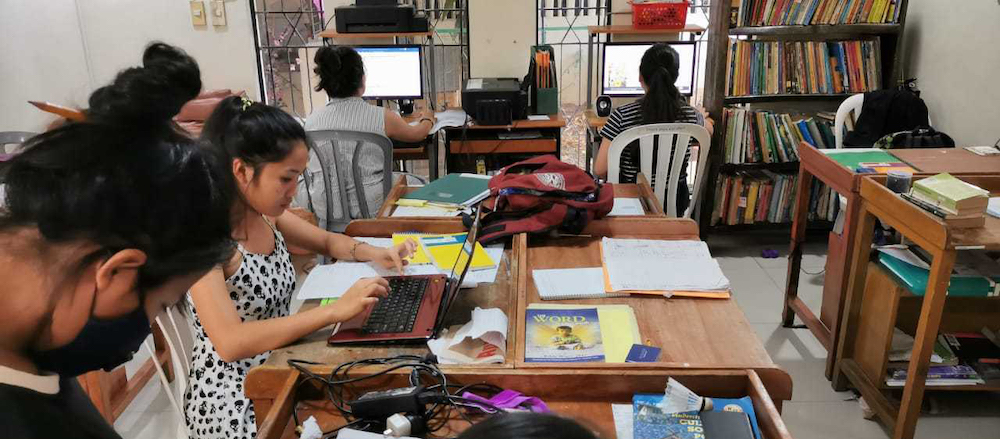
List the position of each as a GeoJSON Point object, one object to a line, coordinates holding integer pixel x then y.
{"type": "Point", "coordinates": [494, 101]}
{"type": "Point", "coordinates": [371, 16]}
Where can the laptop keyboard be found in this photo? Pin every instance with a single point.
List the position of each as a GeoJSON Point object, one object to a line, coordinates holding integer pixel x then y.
{"type": "Point", "coordinates": [397, 312]}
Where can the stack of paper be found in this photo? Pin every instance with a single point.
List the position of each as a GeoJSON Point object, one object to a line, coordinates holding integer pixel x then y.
{"type": "Point", "coordinates": [641, 266]}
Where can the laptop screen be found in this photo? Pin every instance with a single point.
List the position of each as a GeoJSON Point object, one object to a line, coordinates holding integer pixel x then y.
{"type": "Point", "coordinates": [460, 268]}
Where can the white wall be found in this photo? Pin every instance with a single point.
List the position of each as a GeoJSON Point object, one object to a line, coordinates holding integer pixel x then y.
{"type": "Point", "coordinates": [54, 45]}
{"type": "Point", "coordinates": [501, 33]}
{"type": "Point", "coordinates": [41, 58]}
{"type": "Point", "coordinates": [952, 49]}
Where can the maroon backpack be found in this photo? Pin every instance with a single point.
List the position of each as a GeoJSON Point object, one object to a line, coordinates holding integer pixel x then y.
{"type": "Point", "coordinates": [540, 195]}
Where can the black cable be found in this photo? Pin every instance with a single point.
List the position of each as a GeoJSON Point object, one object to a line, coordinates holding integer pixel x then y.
{"type": "Point", "coordinates": [339, 389]}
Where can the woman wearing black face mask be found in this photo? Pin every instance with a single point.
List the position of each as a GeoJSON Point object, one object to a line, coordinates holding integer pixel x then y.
{"type": "Point", "coordinates": [106, 222]}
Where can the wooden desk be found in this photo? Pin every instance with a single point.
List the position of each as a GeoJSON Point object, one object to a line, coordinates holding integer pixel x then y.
{"type": "Point", "coordinates": [642, 191]}
{"type": "Point", "coordinates": [708, 346]}
{"type": "Point", "coordinates": [815, 164]}
{"type": "Point", "coordinates": [942, 242]}
{"type": "Point", "coordinates": [693, 333]}
{"type": "Point", "coordinates": [500, 294]}
{"type": "Point", "coordinates": [465, 146]}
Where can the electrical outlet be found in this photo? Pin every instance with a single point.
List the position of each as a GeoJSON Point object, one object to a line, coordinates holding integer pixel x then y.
{"type": "Point", "coordinates": [218, 13]}
{"type": "Point", "coordinates": [198, 17]}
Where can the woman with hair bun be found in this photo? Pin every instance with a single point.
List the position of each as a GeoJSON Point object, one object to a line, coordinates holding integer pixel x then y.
{"type": "Point", "coordinates": [107, 222]}
{"type": "Point", "coordinates": [662, 103]}
{"type": "Point", "coordinates": [341, 74]}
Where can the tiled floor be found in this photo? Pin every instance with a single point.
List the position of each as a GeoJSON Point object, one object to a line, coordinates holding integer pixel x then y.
{"type": "Point", "coordinates": [814, 412]}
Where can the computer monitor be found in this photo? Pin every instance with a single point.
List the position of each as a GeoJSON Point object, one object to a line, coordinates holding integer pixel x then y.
{"type": "Point", "coordinates": [621, 68]}
{"type": "Point", "coordinates": [392, 72]}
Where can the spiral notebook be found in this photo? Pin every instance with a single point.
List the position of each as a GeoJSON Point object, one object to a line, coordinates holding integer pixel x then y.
{"type": "Point", "coordinates": [571, 283]}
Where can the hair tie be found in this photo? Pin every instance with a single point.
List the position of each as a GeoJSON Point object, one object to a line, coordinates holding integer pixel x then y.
{"type": "Point", "coordinates": [246, 103]}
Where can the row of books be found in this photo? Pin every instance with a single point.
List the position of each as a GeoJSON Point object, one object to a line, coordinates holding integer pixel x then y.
{"type": "Point", "coordinates": [806, 12]}
{"type": "Point", "coordinates": [763, 196]}
{"type": "Point", "coordinates": [768, 137]}
{"type": "Point", "coordinates": [959, 359]}
{"type": "Point", "coordinates": [803, 67]}
{"type": "Point", "coordinates": [957, 203]}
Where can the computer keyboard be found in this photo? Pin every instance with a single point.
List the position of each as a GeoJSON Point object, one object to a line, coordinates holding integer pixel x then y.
{"type": "Point", "coordinates": [398, 311]}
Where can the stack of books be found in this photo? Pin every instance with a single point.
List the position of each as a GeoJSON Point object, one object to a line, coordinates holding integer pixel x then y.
{"type": "Point", "coordinates": [957, 203]}
{"type": "Point", "coordinates": [768, 137]}
{"type": "Point", "coordinates": [959, 359]}
{"type": "Point", "coordinates": [802, 67]}
{"type": "Point", "coordinates": [805, 12]}
{"type": "Point", "coordinates": [753, 197]}
{"type": "Point", "coordinates": [453, 191]}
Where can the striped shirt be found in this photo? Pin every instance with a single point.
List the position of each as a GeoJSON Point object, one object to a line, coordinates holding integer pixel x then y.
{"type": "Point", "coordinates": [351, 114]}
{"type": "Point", "coordinates": [630, 116]}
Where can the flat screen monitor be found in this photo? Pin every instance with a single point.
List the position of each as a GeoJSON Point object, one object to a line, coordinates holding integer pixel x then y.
{"type": "Point", "coordinates": [620, 76]}
{"type": "Point", "coordinates": [392, 72]}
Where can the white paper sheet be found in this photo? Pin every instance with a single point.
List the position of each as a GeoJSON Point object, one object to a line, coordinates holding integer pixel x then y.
{"type": "Point", "coordinates": [333, 280]}
{"type": "Point", "coordinates": [652, 265]}
{"type": "Point", "coordinates": [627, 206]}
{"type": "Point", "coordinates": [447, 118]}
{"type": "Point", "coordinates": [539, 117]}
{"type": "Point", "coordinates": [993, 208]}
{"type": "Point", "coordinates": [487, 275]}
{"type": "Point", "coordinates": [904, 254]}
{"type": "Point", "coordinates": [460, 345]}
{"type": "Point", "coordinates": [623, 420]}
{"type": "Point", "coordinates": [409, 211]}
{"type": "Point", "coordinates": [569, 283]}
{"type": "Point", "coordinates": [347, 433]}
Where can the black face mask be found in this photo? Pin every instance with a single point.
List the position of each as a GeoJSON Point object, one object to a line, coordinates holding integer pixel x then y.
{"type": "Point", "coordinates": [102, 344]}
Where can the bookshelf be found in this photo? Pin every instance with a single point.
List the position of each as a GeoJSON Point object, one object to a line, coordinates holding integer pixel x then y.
{"type": "Point", "coordinates": [723, 30]}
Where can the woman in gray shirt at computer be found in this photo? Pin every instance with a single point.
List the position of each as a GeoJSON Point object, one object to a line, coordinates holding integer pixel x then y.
{"type": "Point", "coordinates": [342, 76]}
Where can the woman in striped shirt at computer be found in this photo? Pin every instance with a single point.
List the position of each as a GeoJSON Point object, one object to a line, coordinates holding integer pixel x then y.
{"type": "Point", "coordinates": [662, 103]}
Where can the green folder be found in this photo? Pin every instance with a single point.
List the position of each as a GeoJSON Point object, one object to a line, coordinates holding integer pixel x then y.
{"type": "Point", "coordinates": [458, 189]}
{"type": "Point", "coordinates": [915, 279]}
{"type": "Point", "coordinates": [852, 159]}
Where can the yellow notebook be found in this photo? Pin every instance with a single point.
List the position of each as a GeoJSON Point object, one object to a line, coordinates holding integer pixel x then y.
{"type": "Point", "coordinates": [619, 328]}
{"type": "Point", "coordinates": [445, 251]}
{"type": "Point", "coordinates": [418, 257]}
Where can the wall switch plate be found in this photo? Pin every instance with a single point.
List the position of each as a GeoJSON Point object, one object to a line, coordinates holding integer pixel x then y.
{"type": "Point", "coordinates": [198, 17]}
{"type": "Point", "coordinates": [218, 13]}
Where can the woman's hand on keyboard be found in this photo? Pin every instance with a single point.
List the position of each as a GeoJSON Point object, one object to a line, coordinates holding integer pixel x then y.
{"type": "Point", "coordinates": [363, 293]}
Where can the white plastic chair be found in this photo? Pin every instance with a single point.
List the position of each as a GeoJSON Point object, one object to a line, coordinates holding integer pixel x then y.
{"type": "Point", "coordinates": [671, 136]}
{"type": "Point", "coordinates": [172, 322]}
{"type": "Point", "coordinates": [851, 107]}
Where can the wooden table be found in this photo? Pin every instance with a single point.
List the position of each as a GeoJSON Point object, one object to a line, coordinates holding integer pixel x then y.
{"type": "Point", "coordinates": [641, 190]}
{"type": "Point", "coordinates": [941, 242]}
{"type": "Point", "coordinates": [466, 146]}
{"type": "Point", "coordinates": [707, 344]}
{"type": "Point", "coordinates": [816, 164]}
{"type": "Point", "coordinates": [692, 333]}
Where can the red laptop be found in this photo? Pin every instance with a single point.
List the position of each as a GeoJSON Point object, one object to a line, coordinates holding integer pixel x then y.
{"type": "Point", "coordinates": [414, 310]}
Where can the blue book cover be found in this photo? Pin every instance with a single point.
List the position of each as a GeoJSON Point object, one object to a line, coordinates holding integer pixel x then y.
{"type": "Point", "coordinates": [804, 129]}
{"type": "Point", "coordinates": [649, 422]}
{"type": "Point", "coordinates": [563, 335]}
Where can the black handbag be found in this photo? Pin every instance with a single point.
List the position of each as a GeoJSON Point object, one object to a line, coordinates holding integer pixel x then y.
{"type": "Point", "coordinates": [920, 137]}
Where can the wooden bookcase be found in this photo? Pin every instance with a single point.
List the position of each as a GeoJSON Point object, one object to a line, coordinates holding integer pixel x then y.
{"type": "Point", "coordinates": [720, 33]}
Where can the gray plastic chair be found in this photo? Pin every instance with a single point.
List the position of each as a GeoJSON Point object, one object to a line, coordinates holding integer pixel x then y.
{"type": "Point", "coordinates": [334, 151]}
{"type": "Point", "coordinates": [15, 138]}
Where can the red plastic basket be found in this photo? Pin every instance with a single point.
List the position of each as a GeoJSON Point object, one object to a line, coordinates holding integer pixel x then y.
{"type": "Point", "coordinates": [659, 15]}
